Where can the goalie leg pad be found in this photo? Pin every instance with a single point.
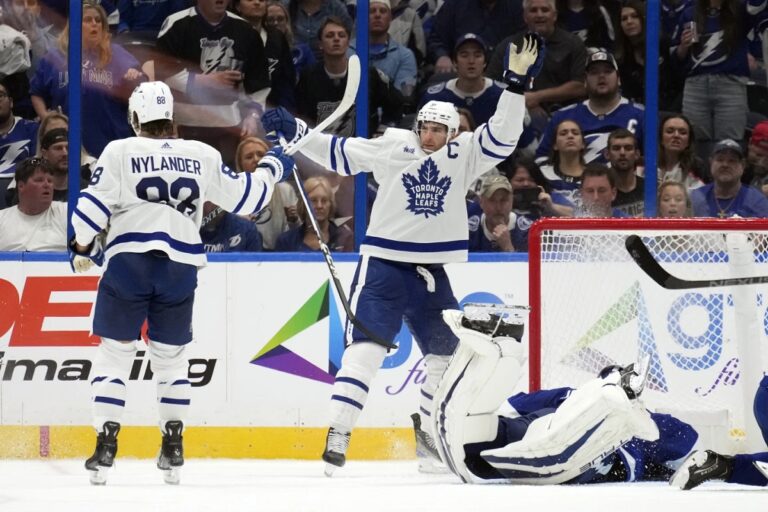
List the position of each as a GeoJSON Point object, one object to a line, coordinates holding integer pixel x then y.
{"type": "Point", "coordinates": [481, 375]}
{"type": "Point", "coordinates": [592, 423]}
{"type": "Point", "coordinates": [359, 365]}
{"type": "Point", "coordinates": [174, 390]}
{"type": "Point", "coordinates": [111, 369]}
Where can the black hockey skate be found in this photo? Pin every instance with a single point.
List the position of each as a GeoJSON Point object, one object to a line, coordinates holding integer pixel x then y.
{"type": "Point", "coordinates": [426, 452]}
{"type": "Point", "coordinates": [335, 454]}
{"type": "Point", "coordinates": [700, 467]}
{"type": "Point", "coordinates": [171, 456]}
{"type": "Point", "coordinates": [104, 456]}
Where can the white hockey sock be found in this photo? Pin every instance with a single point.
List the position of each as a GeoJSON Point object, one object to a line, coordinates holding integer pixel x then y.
{"type": "Point", "coordinates": [174, 390]}
{"type": "Point", "coordinates": [359, 364]}
{"type": "Point", "coordinates": [436, 366]}
{"type": "Point", "coordinates": [110, 376]}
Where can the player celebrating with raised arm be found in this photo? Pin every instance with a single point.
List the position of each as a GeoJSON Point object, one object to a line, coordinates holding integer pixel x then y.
{"type": "Point", "coordinates": [418, 223]}
{"type": "Point", "coordinates": [149, 191]}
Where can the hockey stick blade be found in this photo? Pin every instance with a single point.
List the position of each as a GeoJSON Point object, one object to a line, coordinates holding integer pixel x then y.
{"type": "Point", "coordinates": [645, 260]}
{"type": "Point", "coordinates": [350, 94]}
{"type": "Point", "coordinates": [762, 467]}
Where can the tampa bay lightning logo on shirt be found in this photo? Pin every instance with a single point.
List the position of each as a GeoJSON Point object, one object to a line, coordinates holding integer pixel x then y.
{"type": "Point", "coordinates": [426, 192]}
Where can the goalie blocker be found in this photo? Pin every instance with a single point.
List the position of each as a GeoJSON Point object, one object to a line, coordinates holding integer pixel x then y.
{"type": "Point", "coordinates": [547, 446]}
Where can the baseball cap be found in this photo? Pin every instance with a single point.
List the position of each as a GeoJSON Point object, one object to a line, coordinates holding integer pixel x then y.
{"type": "Point", "coordinates": [53, 136]}
{"type": "Point", "coordinates": [728, 145]}
{"type": "Point", "coordinates": [600, 55]}
{"type": "Point", "coordinates": [385, 2]}
{"type": "Point", "coordinates": [470, 37]}
{"type": "Point", "coordinates": [494, 183]}
{"type": "Point", "coordinates": [760, 135]}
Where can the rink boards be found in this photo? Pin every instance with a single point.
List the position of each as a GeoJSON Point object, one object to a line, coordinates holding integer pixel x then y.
{"type": "Point", "coordinates": [268, 340]}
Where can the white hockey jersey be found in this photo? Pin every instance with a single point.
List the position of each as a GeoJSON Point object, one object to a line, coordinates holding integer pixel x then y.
{"type": "Point", "coordinates": [150, 193]}
{"type": "Point", "coordinates": [420, 214]}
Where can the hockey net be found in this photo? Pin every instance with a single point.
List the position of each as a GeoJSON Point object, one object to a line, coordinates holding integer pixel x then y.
{"type": "Point", "coordinates": [593, 306]}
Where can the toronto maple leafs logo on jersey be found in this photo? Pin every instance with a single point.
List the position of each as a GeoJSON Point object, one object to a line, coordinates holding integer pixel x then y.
{"type": "Point", "coordinates": [427, 191]}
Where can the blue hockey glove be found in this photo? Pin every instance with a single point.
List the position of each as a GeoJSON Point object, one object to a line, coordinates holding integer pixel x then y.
{"type": "Point", "coordinates": [278, 163]}
{"type": "Point", "coordinates": [80, 262]}
{"type": "Point", "coordinates": [278, 122]}
{"type": "Point", "coordinates": [521, 67]}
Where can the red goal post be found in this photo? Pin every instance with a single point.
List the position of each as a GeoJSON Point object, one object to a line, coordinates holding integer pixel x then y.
{"type": "Point", "coordinates": [592, 305]}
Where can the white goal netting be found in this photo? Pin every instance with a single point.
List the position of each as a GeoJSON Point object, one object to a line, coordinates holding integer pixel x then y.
{"type": "Point", "coordinates": [593, 306]}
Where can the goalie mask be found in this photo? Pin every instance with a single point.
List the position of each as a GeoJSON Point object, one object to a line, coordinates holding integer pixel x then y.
{"type": "Point", "coordinates": [150, 101]}
{"type": "Point", "coordinates": [440, 112]}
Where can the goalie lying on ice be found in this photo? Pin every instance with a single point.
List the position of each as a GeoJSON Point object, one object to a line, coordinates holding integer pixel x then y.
{"type": "Point", "coordinates": [599, 432]}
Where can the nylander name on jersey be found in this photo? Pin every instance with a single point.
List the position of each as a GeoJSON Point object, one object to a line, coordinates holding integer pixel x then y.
{"type": "Point", "coordinates": [144, 164]}
{"type": "Point", "coordinates": [152, 200]}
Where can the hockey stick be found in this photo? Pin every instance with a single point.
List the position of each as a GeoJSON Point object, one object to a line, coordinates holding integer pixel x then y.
{"type": "Point", "coordinates": [350, 93]}
{"type": "Point", "coordinates": [645, 260]}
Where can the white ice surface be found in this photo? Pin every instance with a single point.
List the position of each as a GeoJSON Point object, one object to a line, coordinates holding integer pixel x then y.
{"type": "Point", "coordinates": [273, 486]}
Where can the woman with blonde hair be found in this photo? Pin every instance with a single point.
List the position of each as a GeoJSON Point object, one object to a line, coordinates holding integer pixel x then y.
{"type": "Point", "coordinates": [303, 238]}
{"type": "Point", "coordinates": [280, 214]}
{"type": "Point", "coordinates": [673, 201]}
{"type": "Point", "coordinates": [109, 74]}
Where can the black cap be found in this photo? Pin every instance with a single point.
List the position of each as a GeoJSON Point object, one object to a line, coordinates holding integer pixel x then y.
{"type": "Point", "coordinates": [53, 136]}
{"type": "Point", "coordinates": [600, 55]}
{"type": "Point", "coordinates": [470, 37]}
{"type": "Point", "coordinates": [728, 145]}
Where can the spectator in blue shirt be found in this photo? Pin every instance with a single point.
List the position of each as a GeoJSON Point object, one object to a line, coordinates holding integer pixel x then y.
{"type": "Point", "coordinates": [495, 229]}
{"type": "Point", "coordinates": [726, 196]}
{"type": "Point", "coordinates": [222, 231]}
{"type": "Point", "coordinates": [18, 140]}
{"type": "Point", "coordinates": [388, 56]}
{"type": "Point", "coordinates": [308, 16]}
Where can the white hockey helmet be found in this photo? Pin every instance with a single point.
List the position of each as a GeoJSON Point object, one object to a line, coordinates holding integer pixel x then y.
{"type": "Point", "coordinates": [441, 112]}
{"type": "Point", "coordinates": [150, 101]}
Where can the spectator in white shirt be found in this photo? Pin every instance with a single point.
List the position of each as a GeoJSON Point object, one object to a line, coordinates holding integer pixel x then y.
{"type": "Point", "coordinates": [37, 223]}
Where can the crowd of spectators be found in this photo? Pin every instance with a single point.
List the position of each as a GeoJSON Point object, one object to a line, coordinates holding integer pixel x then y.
{"type": "Point", "coordinates": [229, 60]}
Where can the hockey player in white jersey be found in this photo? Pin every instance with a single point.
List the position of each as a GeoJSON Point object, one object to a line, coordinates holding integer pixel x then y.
{"type": "Point", "coordinates": [147, 192]}
{"type": "Point", "coordinates": [418, 223]}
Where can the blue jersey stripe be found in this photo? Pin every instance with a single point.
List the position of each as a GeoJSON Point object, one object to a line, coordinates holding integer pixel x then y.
{"type": "Point", "coordinates": [87, 220]}
{"type": "Point", "coordinates": [158, 235]}
{"type": "Point", "coordinates": [384, 243]}
{"type": "Point", "coordinates": [490, 153]}
{"type": "Point", "coordinates": [175, 401]}
{"type": "Point", "coordinates": [347, 170]}
{"type": "Point", "coordinates": [245, 194]}
{"type": "Point", "coordinates": [333, 152]}
{"type": "Point", "coordinates": [101, 206]}
{"type": "Point", "coordinates": [109, 400]}
{"type": "Point", "coordinates": [493, 139]}
{"type": "Point", "coordinates": [354, 382]}
{"type": "Point", "coordinates": [260, 202]}
{"type": "Point", "coordinates": [347, 400]}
